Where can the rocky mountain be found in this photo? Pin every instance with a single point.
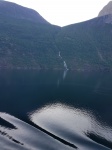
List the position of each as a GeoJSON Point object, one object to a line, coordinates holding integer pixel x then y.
{"type": "Point", "coordinates": [28, 41]}
{"type": "Point", "coordinates": [106, 13]}
{"type": "Point", "coordinates": [106, 10]}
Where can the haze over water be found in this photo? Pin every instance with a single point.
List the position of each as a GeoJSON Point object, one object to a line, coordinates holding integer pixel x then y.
{"type": "Point", "coordinates": [55, 110]}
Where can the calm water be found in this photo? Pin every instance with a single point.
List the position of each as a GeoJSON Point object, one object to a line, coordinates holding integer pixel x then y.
{"type": "Point", "coordinates": [55, 110]}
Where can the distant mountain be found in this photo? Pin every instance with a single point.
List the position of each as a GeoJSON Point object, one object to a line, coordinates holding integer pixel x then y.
{"type": "Point", "coordinates": [13, 10]}
{"type": "Point", "coordinates": [106, 12]}
{"type": "Point", "coordinates": [28, 41]}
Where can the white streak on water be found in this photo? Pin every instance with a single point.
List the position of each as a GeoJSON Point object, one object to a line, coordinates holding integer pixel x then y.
{"type": "Point", "coordinates": [64, 74]}
{"type": "Point", "coordinates": [29, 137]}
{"type": "Point", "coordinates": [71, 124]}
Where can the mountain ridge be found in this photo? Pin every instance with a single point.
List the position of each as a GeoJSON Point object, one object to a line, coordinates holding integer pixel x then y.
{"type": "Point", "coordinates": [17, 11]}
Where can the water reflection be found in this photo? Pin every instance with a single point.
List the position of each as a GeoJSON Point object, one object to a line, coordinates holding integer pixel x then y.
{"type": "Point", "coordinates": [72, 124]}
{"type": "Point", "coordinates": [63, 77]}
{"type": "Point", "coordinates": [73, 106]}
{"type": "Point", "coordinates": [26, 137]}
{"type": "Point", "coordinates": [65, 74]}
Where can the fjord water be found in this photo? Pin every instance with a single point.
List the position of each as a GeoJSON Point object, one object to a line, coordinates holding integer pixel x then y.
{"type": "Point", "coordinates": [55, 110]}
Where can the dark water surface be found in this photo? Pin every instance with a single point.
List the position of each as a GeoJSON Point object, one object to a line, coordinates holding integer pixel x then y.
{"type": "Point", "coordinates": [51, 110]}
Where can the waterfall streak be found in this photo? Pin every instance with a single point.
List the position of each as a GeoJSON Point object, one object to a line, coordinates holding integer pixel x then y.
{"type": "Point", "coordinates": [65, 64]}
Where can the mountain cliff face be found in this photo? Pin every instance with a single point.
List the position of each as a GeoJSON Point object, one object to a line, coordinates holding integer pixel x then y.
{"type": "Point", "coordinates": [106, 10]}
{"type": "Point", "coordinates": [87, 46]}
{"type": "Point", "coordinates": [106, 13]}
{"type": "Point", "coordinates": [28, 41]}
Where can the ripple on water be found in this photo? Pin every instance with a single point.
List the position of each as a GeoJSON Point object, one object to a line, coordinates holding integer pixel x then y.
{"type": "Point", "coordinates": [74, 125]}
{"type": "Point", "coordinates": [26, 137]}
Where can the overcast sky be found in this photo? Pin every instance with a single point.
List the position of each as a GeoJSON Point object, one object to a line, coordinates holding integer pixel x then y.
{"type": "Point", "coordinates": [64, 12]}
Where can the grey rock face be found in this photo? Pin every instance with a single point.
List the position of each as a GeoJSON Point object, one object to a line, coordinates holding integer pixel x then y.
{"type": "Point", "coordinates": [106, 13]}
{"type": "Point", "coordinates": [106, 10]}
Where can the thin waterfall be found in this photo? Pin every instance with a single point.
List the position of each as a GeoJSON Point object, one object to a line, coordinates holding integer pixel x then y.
{"type": "Point", "coordinates": [60, 55]}
{"type": "Point", "coordinates": [65, 64]}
